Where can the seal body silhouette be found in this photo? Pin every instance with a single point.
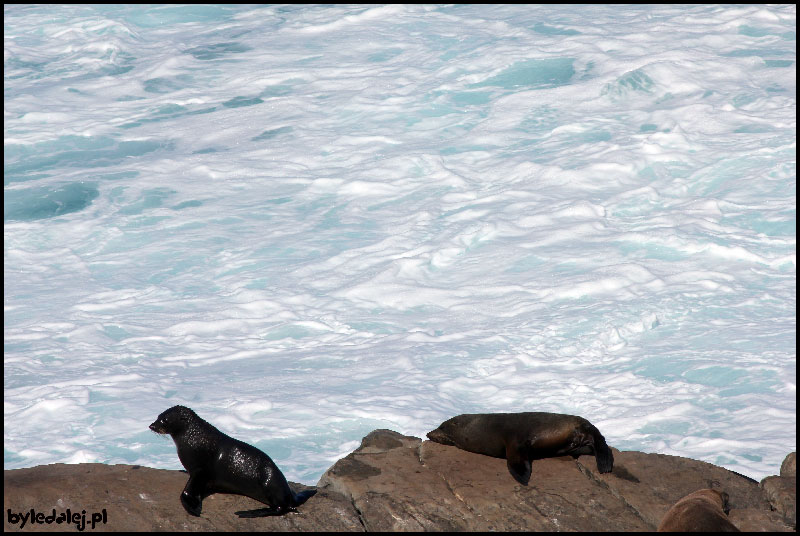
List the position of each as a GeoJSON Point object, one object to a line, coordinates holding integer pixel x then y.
{"type": "Point", "coordinates": [523, 437]}
{"type": "Point", "coordinates": [702, 511]}
{"type": "Point", "coordinates": [219, 463]}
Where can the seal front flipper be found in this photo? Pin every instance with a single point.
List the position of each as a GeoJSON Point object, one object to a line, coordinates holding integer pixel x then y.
{"type": "Point", "coordinates": [518, 465]}
{"type": "Point", "coordinates": [194, 492]}
{"type": "Point", "coordinates": [192, 503]}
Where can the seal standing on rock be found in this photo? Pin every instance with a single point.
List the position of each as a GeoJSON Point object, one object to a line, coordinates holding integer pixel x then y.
{"type": "Point", "coordinates": [219, 463]}
{"type": "Point", "coordinates": [704, 510]}
{"type": "Point", "coordinates": [522, 437]}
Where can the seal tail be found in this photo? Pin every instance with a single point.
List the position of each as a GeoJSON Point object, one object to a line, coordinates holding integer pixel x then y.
{"type": "Point", "coordinates": [297, 499]}
{"type": "Point", "coordinates": [602, 453]}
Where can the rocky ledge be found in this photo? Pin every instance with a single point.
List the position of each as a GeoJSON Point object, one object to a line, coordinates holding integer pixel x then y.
{"type": "Point", "coordinates": [401, 483]}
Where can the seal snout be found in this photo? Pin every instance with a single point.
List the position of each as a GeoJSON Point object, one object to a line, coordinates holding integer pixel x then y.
{"type": "Point", "coordinates": [440, 437]}
{"type": "Point", "coordinates": [157, 429]}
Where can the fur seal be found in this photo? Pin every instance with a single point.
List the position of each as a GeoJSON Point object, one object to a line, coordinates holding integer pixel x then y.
{"type": "Point", "coordinates": [522, 437]}
{"type": "Point", "coordinates": [219, 463]}
{"type": "Point", "coordinates": [704, 510]}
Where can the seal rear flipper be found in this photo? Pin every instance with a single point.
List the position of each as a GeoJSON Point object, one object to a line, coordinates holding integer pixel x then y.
{"type": "Point", "coordinates": [303, 496]}
{"type": "Point", "coordinates": [264, 512]}
{"type": "Point", "coordinates": [518, 465]}
{"type": "Point", "coordinates": [603, 454]}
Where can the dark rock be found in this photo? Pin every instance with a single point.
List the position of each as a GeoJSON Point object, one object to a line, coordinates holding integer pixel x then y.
{"type": "Point", "coordinates": [142, 499]}
{"type": "Point", "coordinates": [397, 482]}
{"type": "Point", "coordinates": [437, 487]}
{"type": "Point", "coordinates": [383, 440]}
{"type": "Point", "coordinates": [391, 489]}
{"type": "Point", "coordinates": [651, 483]}
{"type": "Point", "coordinates": [753, 520]}
{"type": "Point", "coordinates": [789, 466]}
{"type": "Point", "coordinates": [781, 491]}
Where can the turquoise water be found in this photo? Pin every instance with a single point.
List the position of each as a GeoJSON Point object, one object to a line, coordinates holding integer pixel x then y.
{"type": "Point", "coordinates": [308, 222]}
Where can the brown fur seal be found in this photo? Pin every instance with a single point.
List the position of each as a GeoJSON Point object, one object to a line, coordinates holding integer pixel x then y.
{"type": "Point", "coordinates": [702, 511]}
{"type": "Point", "coordinates": [219, 463]}
{"type": "Point", "coordinates": [522, 437]}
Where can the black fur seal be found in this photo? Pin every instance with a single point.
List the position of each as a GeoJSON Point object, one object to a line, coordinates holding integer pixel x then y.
{"type": "Point", "coordinates": [219, 463]}
{"type": "Point", "coordinates": [522, 437]}
{"type": "Point", "coordinates": [704, 510]}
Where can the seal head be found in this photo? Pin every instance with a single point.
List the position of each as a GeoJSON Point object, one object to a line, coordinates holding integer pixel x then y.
{"type": "Point", "coordinates": [704, 510]}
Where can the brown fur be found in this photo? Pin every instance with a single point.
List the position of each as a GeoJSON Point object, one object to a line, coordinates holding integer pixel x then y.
{"type": "Point", "coordinates": [701, 511]}
{"type": "Point", "coordinates": [523, 437]}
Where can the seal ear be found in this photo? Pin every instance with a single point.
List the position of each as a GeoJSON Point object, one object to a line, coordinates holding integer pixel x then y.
{"type": "Point", "coordinates": [518, 465]}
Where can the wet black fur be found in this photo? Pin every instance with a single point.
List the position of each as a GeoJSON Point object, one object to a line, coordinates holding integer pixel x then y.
{"type": "Point", "coordinates": [219, 463]}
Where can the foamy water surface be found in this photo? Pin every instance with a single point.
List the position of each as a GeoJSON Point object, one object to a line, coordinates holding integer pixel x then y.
{"type": "Point", "coordinates": [307, 223]}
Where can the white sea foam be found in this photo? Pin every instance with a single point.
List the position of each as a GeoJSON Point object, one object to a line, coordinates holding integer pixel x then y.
{"type": "Point", "coordinates": [308, 222]}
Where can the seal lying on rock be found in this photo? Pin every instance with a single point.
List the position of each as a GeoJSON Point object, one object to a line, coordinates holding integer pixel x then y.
{"type": "Point", "coordinates": [219, 463]}
{"type": "Point", "coordinates": [702, 511]}
{"type": "Point", "coordinates": [522, 437]}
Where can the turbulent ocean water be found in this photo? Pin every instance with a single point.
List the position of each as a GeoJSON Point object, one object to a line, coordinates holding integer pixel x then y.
{"type": "Point", "coordinates": [309, 222]}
